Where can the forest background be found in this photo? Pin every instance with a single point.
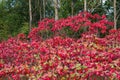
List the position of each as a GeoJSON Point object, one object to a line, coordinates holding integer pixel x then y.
{"type": "Point", "coordinates": [15, 14]}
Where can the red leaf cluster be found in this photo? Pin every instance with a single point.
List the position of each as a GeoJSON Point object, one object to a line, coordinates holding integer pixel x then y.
{"type": "Point", "coordinates": [58, 58]}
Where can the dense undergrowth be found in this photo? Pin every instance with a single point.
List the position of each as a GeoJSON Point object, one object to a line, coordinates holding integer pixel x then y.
{"type": "Point", "coordinates": [83, 47]}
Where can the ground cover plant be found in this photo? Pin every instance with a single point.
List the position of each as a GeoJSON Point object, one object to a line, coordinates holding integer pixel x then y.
{"type": "Point", "coordinates": [82, 47]}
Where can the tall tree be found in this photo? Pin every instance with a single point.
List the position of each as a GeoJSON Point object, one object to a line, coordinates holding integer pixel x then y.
{"type": "Point", "coordinates": [30, 15]}
{"type": "Point", "coordinates": [85, 5]}
{"type": "Point", "coordinates": [56, 9]}
{"type": "Point", "coordinates": [115, 16]}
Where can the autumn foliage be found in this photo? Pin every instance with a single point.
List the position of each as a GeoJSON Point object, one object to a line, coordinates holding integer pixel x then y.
{"type": "Point", "coordinates": [66, 49]}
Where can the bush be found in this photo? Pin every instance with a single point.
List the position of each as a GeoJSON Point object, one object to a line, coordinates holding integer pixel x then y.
{"type": "Point", "coordinates": [59, 56]}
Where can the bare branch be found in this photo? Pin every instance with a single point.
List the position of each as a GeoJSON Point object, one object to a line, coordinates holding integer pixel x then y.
{"type": "Point", "coordinates": [95, 7]}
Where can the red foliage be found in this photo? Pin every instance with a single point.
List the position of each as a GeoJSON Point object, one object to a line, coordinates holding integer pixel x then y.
{"type": "Point", "coordinates": [60, 57]}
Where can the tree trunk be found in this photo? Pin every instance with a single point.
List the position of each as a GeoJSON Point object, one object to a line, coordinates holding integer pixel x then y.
{"type": "Point", "coordinates": [85, 5]}
{"type": "Point", "coordinates": [56, 9]}
{"type": "Point", "coordinates": [115, 20]}
{"type": "Point", "coordinates": [30, 15]}
{"type": "Point", "coordinates": [85, 10]}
